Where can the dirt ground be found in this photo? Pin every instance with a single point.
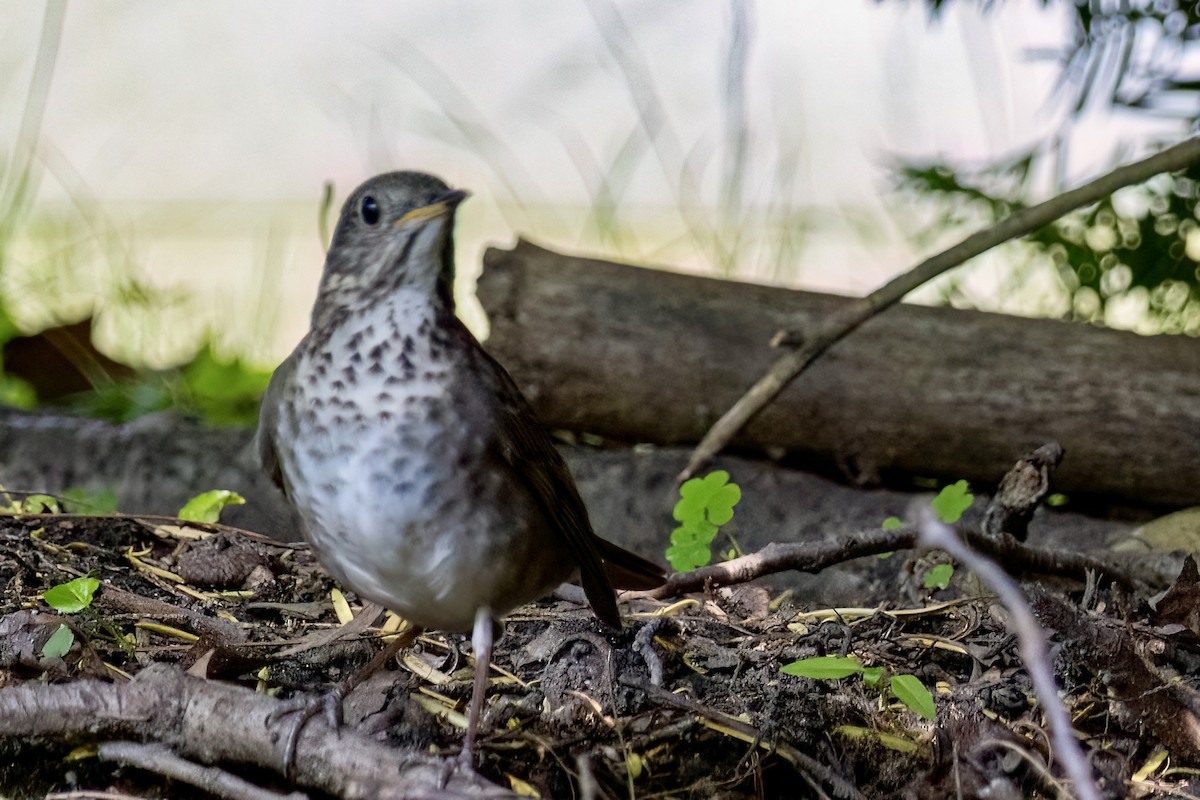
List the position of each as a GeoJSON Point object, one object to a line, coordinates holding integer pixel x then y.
{"type": "Point", "coordinates": [689, 701]}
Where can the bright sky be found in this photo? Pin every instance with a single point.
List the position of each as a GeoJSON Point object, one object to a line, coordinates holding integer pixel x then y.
{"type": "Point", "coordinates": [188, 143]}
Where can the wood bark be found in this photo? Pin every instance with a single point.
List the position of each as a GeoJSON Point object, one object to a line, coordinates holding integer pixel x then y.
{"type": "Point", "coordinates": [644, 355]}
{"type": "Point", "coordinates": [216, 723]}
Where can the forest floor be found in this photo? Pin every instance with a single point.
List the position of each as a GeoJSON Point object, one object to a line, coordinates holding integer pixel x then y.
{"type": "Point", "coordinates": [690, 700]}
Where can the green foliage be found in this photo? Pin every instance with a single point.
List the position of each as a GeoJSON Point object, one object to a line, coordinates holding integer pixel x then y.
{"type": "Point", "coordinates": [207, 507]}
{"type": "Point", "coordinates": [73, 596]}
{"type": "Point", "coordinates": [824, 668]}
{"type": "Point", "coordinates": [218, 391]}
{"type": "Point", "coordinates": [28, 503]}
{"type": "Point", "coordinates": [67, 598]}
{"type": "Point", "coordinates": [1145, 240]}
{"type": "Point", "coordinates": [16, 392]}
{"type": "Point", "coordinates": [938, 576]}
{"type": "Point", "coordinates": [952, 501]}
{"type": "Point", "coordinates": [224, 392]}
{"type": "Point", "coordinates": [59, 643]}
{"type": "Point", "coordinates": [40, 504]}
{"type": "Point", "coordinates": [705, 504]}
{"type": "Point", "coordinates": [123, 402]}
{"type": "Point", "coordinates": [86, 501]}
{"type": "Point", "coordinates": [1142, 244]}
{"type": "Point", "coordinates": [949, 506]}
{"type": "Point", "coordinates": [71, 501]}
{"type": "Point", "coordinates": [908, 689]}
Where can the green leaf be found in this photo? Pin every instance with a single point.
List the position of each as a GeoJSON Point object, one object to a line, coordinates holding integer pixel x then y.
{"type": "Point", "coordinates": [938, 576]}
{"type": "Point", "coordinates": [909, 690]}
{"type": "Point", "coordinates": [892, 524]}
{"type": "Point", "coordinates": [72, 596]}
{"type": "Point", "coordinates": [689, 556]}
{"type": "Point", "coordinates": [59, 643]}
{"type": "Point", "coordinates": [824, 667]}
{"type": "Point", "coordinates": [704, 505]}
{"type": "Point", "coordinates": [207, 507]}
{"type": "Point", "coordinates": [701, 533]}
{"type": "Point", "coordinates": [86, 501]}
{"type": "Point", "coordinates": [688, 508]}
{"type": "Point", "coordinates": [40, 504]}
{"type": "Point", "coordinates": [720, 505]}
{"type": "Point", "coordinates": [872, 675]}
{"type": "Point", "coordinates": [691, 545]}
{"type": "Point", "coordinates": [952, 501]}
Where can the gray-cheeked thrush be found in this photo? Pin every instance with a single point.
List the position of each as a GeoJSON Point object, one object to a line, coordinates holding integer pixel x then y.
{"type": "Point", "coordinates": [422, 478]}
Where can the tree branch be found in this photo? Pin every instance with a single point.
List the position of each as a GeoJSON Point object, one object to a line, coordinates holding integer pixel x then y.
{"type": "Point", "coordinates": [785, 370]}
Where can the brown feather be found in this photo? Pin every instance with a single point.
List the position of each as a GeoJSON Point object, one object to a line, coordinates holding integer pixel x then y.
{"type": "Point", "coordinates": [525, 445]}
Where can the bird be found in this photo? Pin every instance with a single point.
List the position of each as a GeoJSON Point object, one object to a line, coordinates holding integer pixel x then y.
{"type": "Point", "coordinates": [421, 476]}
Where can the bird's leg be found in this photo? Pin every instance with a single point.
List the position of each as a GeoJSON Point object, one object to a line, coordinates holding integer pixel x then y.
{"type": "Point", "coordinates": [331, 702]}
{"type": "Point", "coordinates": [482, 639]}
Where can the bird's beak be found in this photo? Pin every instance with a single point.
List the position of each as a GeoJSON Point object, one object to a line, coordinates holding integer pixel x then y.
{"type": "Point", "coordinates": [443, 205]}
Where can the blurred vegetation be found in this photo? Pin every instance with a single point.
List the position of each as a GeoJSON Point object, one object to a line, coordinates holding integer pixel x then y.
{"type": "Point", "coordinates": [1132, 56]}
{"type": "Point", "coordinates": [217, 391]}
{"type": "Point", "coordinates": [1136, 58]}
{"type": "Point", "coordinates": [60, 366]}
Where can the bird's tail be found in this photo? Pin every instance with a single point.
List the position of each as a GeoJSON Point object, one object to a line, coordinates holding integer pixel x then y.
{"type": "Point", "coordinates": [628, 570]}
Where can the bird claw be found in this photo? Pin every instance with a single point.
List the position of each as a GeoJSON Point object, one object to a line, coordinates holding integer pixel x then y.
{"type": "Point", "coordinates": [305, 708]}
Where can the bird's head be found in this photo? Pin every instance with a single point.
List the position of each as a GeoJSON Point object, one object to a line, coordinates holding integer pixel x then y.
{"type": "Point", "coordinates": [395, 231]}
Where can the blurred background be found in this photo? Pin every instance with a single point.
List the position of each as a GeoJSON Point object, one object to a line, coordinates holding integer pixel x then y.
{"type": "Point", "coordinates": [164, 165]}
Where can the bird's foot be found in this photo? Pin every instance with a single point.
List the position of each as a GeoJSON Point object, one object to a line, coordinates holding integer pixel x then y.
{"type": "Point", "coordinates": [464, 763]}
{"type": "Point", "coordinates": [330, 702]}
{"type": "Point", "coordinates": [305, 708]}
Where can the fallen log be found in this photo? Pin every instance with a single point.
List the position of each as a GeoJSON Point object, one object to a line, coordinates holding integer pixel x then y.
{"type": "Point", "coordinates": [643, 355]}
{"type": "Point", "coordinates": [155, 464]}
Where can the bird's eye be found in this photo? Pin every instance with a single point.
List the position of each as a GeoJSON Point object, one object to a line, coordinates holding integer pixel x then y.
{"type": "Point", "coordinates": [369, 210]}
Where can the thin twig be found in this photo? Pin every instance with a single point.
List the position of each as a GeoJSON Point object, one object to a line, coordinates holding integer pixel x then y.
{"type": "Point", "coordinates": [815, 556]}
{"type": "Point", "coordinates": [1031, 642]}
{"type": "Point", "coordinates": [163, 760]}
{"type": "Point", "coordinates": [785, 369]}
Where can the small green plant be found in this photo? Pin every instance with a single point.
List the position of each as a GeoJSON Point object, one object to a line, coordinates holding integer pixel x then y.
{"type": "Point", "coordinates": [938, 576]}
{"type": "Point", "coordinates": [908, 689]}
{"type": "Point", "coordinates": [67, 598]}
{"type": "Point", "coordinates": [207, 507]}
{"type": "Point", "coordinates": [14, 502]}
{"type": "Point", "coordinates": [88, 501]}
{"type": "Point", "coordinates": [71, 501]}
{"type": "Point", "coordinates": [952, 501]}
{"type": "Point", "coordinates": [949, 506]}
{"type": "Point", "coordinates": [59, 643]}
{"type": "Point", "coordinates": [73, 596]}
{"type": "Point", "coordinates": [705, 504]}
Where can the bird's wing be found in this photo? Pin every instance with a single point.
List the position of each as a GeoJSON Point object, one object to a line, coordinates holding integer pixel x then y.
{"type": "Point", "coordinates": [521, 442]}
{"type": "Point", "coordinates": [268, 415]}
